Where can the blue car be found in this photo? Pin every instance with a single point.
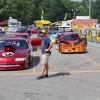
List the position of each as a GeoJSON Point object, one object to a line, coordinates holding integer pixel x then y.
{"type": "Point", "coordinates": [53, 36]}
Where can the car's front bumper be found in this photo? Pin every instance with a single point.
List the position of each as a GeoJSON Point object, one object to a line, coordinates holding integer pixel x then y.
{"type": "Point", "coordinates": [16, 66]}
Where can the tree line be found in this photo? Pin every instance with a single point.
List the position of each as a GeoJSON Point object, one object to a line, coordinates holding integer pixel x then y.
{"type": "Point", "coordinates": [27, 11]}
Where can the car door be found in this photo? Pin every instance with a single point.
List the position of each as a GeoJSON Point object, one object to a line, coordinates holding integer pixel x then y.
{"type": "Point", "coordinates": [35, 42]}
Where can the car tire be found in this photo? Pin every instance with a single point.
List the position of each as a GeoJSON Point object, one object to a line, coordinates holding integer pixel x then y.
{"type": "Point", "coordinates": [30, 60]}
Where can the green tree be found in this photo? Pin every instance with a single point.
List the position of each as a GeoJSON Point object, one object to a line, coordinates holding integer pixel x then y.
{"type": "Point", "coordinates": [57, 9]}
{"type": "Point", "coordinates": [82, 11]}
{"type": "Point", "coordinates": [95, 9]}
{"type": "Point", "coordinates": [68, 8]}
{"type": "Point", "coordinates": [45, 6]}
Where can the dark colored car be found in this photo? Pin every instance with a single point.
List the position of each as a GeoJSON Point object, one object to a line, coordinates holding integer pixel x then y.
{"type": "Point", "coordinates": [21, 30]}
{"type": "Point", "coordinates": [2, 32]}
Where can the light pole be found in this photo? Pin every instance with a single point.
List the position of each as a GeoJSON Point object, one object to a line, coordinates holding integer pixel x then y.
{"type": "Point", "coordinates": [74, 12]}
{"type": "Point", "coordinates": [89, 13]}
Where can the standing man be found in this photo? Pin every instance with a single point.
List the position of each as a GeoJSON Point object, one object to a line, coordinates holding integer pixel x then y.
{"type": "Point", "coordinates": [46, 46]}
{"type": "Point", "coordinates": [39, 29]}
{"type": "Point", "coordinates": [29, 30]}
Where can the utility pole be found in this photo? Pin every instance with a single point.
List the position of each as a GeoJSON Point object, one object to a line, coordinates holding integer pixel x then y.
{"type": "Point", "coordinates": [89, 13]}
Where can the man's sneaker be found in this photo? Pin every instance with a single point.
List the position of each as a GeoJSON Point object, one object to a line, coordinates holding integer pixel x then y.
{"type": "Point", "coordinates": [45, 75]}
{"type": "Point", "coordinates": [40, 77]}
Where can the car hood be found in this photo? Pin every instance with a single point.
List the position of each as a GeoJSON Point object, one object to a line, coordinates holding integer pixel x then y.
{"type": "Point", "coordinates": [17, 53]}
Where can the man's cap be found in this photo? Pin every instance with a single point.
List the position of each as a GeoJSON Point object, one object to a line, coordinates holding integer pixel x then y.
{"type": "Point", "coordinates": [43, 31]}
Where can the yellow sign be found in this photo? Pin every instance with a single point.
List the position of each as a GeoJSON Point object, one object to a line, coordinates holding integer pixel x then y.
{"type": "Point", "coordinates": [42, 15]}
{"type": "Point", "coordinates": [98, 35]}
{"type": "Point", "coordinates": [65, 16]}
{"type": "Point", "coordinates": [88, 34]}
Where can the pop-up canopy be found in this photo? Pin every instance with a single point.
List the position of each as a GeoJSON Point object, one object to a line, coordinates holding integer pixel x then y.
{"type": "Point", "coordinates": [4, 22]}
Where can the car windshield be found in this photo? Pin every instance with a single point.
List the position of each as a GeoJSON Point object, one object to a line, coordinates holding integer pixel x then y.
{"type": "Point", "coordinates": [21, 36]}
{"type": "Point", "coordinates": [14, 24]}
{"type": "Point", "coordinates": [21, 30]}
{"type": "Point", "coordinates": [19, 44]}
{"type": "Point", "coordinates": [53, 29]}
{"type": "Point", "coordinates": [53, 33]}
{"type": "Point", "coordinates": [70, 37]}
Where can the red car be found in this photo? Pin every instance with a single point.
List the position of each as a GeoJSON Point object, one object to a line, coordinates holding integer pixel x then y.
{"type": "Point", "coordinates": [70, 42]}
{"type": "Point", "coordinates": [34, 31]}
{"type": "Point", "coordinates": [15, 53]}
{"type": "Point", "coordinates": [34, 41]}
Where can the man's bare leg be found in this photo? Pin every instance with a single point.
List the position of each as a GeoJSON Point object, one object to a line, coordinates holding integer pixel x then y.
{"type": "Point", "coordinates": [46, 69]}
{"type": "Point", "coordinates": [43, 69]}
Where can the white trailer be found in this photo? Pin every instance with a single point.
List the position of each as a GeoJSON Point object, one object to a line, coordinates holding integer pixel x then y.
{"type": "Point", "coordinates": [13, 24]}
{"type": "Point", "coordinates": [66, 25]}
{"type": "Point", "coordinates": [97, 26]}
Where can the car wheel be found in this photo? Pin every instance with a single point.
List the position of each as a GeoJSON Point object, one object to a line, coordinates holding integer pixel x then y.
{"type": "Point", "coordinates": [30, 60]}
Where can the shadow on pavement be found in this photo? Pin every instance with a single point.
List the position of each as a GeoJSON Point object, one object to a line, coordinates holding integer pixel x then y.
{"type": "Point", "coordinates": [35, 62]}
{"type": "Point", "coordinates": [60, 74]}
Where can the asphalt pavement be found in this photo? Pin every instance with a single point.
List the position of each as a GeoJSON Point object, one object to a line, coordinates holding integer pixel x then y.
{"type": "Point", "coordinates": [71, 77]}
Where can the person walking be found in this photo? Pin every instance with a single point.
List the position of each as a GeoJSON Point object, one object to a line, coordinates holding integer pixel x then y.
{"type": "Point", "coordinates": [45, 49]}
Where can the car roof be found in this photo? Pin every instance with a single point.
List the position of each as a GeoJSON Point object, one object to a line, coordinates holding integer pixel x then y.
{"type": "Point", "coordinates": [20, 34]}
{"type": "Point", "coordinates": [13, 38]}
{"type": "Point", "coordinates": [70, 33]}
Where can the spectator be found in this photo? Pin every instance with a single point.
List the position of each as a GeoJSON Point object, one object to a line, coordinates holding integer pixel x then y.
{"type": "Point", "coordinates": [39, 29]}
{"type": "Point", "coordinates": [46, 46]}
{"type": "Point", "coordinates": [29, 31]}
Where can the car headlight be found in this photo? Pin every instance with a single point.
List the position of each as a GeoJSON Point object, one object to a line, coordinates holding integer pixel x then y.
{"type": "Point", "coordinates": [20, 59]}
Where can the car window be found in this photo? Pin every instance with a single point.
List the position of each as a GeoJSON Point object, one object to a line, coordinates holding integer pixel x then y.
{"type": "Point", "coordinates": [21, 36]}
{"type": "Point", "coordinates": [53, 33]}
{"type": "Point", "coordinates": [70, 37]}
{"type": "Point", "coordinates": [66, 37]}
{"type": "Point", "coordinates": [25, 36]}
{"type": "Point", "coordinates": [19, 44]}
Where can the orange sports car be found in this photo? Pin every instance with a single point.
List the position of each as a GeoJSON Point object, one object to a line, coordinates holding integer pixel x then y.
{"type": "Point", "coordinates": [71, 43]}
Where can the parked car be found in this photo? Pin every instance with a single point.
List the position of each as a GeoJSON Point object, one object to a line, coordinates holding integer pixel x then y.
{"type": "Point", "coordinates": [2, 31]}
{"type": "Point", "coordinates": [15, 53]}
{"type": "Point", "coordinates": [53, 35]}
{"type": "Point", "coordinates": [71, 42]}
{"type": "Point", "coordinates": [21, 30]}
{"type": "Point", "coordinates": [33, 31]}
{"type": "Point", "coordinates": [35, 42]}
